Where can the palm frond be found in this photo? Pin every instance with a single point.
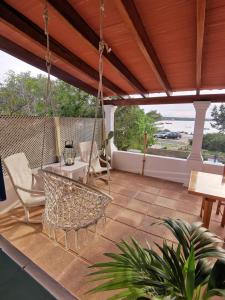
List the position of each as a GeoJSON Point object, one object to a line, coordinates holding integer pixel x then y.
{"type": "Point", "coordinates": [177, 272]}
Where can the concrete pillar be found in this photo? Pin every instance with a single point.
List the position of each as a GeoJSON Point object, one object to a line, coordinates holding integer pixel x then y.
{"type": "Point", "coordinates": [195, 160]}
{"type": "Point", "coordinates": [109, 125]}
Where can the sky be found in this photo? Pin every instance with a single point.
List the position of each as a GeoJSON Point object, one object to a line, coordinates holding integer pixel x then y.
{"type": "Point", "coordinates": [8, 62]}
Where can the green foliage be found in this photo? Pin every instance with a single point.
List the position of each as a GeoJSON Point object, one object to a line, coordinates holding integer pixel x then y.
{"type": "Point", "coordinates": [218, 115]}
{"type": "Point", "coordinates": [214, 142]}
{"type": "Point", "coordinates": [105, 144]}
{"type": "Point", "coordinates": [185, 271]}
{"type": "Point", "coordinates": [154, 115]}
{"type": "Point", "coordinates": [131, 123]}
{"type": "Point", "coordinates": [71, 101]}
{"type": "Point", "coordinates": [23, 94]}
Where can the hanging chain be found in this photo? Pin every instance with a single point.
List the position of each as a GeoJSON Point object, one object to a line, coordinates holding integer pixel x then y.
{"type": "Point", "coordinates": [100, 97]}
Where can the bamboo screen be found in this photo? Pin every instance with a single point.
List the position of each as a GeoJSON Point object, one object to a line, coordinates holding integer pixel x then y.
{"type": "Point", "coordinates": [25, 134]}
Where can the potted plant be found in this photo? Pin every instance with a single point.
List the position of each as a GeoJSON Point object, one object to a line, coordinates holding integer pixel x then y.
{"type": "Point", "coordinates": [103, 150]}
{"type": "Point", "coordinates": [192, 269]}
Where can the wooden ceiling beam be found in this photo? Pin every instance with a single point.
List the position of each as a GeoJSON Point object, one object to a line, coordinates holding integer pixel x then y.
{"type": "Point", "coordinates": [130, 15]}
{"type": "Point", "coordinates": [17, 51]}
{"type": "Point", "coordinates": [80, 25]}
{"type": "Point", "coordinates": [11, 16]}
{"type": "Point", "coordinates": [200, 15]}
{"type": "Point", "coordinates": [167, 100]}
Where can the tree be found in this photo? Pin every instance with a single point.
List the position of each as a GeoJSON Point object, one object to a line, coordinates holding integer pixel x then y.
{"type": "Point", "coordinates": [70, 101]}
{"type": "Point", "coordinates": [23, 94]}
{"type": "Point", "coordinates": [218, 115]}
{"type": "Point", "coordinates": [131, 123]}
{"type": "Point", "coordinates": [154, 115]}
{"type": "Point", "coordinates": [214, 142]}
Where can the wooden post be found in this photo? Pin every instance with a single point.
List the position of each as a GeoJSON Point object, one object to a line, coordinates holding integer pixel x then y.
{"type": "Point", "coordinates": [145, 148]}
{"type": "Point", "coordinates": [57, 138]}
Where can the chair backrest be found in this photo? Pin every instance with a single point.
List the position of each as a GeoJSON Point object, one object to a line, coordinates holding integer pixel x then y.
{"type": "Point", "coordinates": [85, 150]}
{"type": "Point", "coordinates": [71, 204]}
{"type": "Point", "coordinates": [19, 172]}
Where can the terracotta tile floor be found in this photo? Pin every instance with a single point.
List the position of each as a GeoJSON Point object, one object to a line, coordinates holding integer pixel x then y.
{"type": "Point", "coordinates": [138, 202]}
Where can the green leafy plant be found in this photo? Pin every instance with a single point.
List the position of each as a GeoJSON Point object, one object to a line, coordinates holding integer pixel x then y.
{"type": "Point", "coordinates": [192, 269]}
{"type": "Point", "coordinates": [131, 123]}
{"type": "Point", "coordinates": [105, 144]}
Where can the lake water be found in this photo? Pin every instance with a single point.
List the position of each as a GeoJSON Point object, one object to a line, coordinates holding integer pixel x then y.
{"type": "Point", "coordinates": [184, 126]}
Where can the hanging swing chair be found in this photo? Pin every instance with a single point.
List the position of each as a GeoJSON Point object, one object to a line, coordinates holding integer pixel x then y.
{"type": "Point", "coordinates": [71, 205]}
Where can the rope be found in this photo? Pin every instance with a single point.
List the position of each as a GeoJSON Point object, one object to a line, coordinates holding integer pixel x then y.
{"type": "Point", "coordinates": [48, 84]}
{"type": "Point", "coordinates": [48, 53]}
{"type": "Point", "coordinates": [100, 97]}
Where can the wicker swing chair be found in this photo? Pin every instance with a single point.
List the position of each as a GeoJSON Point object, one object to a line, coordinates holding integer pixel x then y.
{"type": "Point", "coordinates": [71, 205]}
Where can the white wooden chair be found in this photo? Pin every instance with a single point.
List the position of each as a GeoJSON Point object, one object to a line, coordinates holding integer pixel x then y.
{"type": "Point", "coordinates": [96, 168]}
{"type": "Point", "coordinates": [24, 180]}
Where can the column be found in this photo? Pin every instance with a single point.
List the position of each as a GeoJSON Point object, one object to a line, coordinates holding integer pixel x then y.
{"type": "Point", "coordinates": [195, 160]}
{"type": "Point", "coordinates": [109, 125]}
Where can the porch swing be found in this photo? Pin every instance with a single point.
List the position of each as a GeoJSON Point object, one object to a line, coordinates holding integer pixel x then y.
{"type": "Point", "coordinates": [71, 205]}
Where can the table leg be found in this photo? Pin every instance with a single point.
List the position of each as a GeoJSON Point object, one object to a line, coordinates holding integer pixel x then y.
{"type": "Point", "coordinates": [207, 212]}
{"type": "Point", "coordinates": [223, 218]}
{"type": "Point", "coordinates": [202, 207]}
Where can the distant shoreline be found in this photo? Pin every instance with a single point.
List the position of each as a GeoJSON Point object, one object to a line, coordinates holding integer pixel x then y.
{"type": "Point", "coordinates": [180, 119]}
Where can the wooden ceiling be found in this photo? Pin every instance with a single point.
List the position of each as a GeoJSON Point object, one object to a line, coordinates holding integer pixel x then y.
{"type": "Point", "coordinates": [157, 46]}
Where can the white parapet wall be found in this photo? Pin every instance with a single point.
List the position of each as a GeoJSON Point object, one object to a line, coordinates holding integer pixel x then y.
{"type": "Point", "coordinates": [168, 168]}
{"type": "Point", "coordinates": [209, 167]}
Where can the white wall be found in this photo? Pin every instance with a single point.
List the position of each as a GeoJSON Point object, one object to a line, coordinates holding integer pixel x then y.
{"type": "Point", "coordinates": [169, 168]}
{"type": "Point", "coordinates": [213, 168]}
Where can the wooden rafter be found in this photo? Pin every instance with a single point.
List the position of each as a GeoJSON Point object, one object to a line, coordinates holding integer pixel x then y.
{"type": "Point", "coordinates": [167, 100]}
{"type": "Point", "coordinates": [11, 16]}
{"type": "Point", "coordinates": [28, 57]}
{"type": "Point", "coordinates": [201, 8]}
{"type": "Point", "coordinates": [80, 25]}
{"type": "Point", "coordinates": [130, 15]}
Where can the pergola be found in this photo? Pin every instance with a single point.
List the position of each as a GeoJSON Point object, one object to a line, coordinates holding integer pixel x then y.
{"type": "Point", "coordinates": [157, 46]}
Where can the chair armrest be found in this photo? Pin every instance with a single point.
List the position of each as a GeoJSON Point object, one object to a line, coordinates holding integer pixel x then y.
{"type": "Point", "coordinates": [30, 191]}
